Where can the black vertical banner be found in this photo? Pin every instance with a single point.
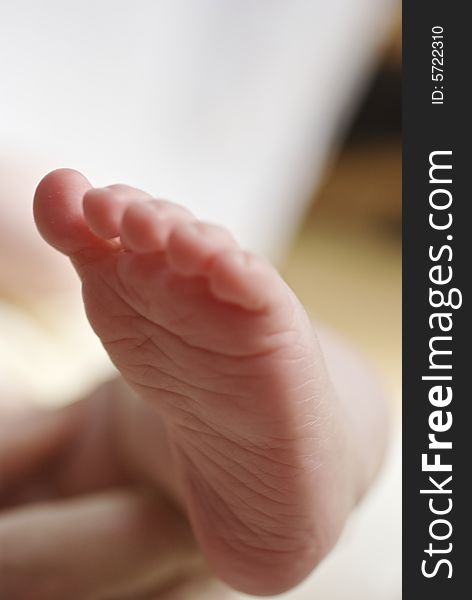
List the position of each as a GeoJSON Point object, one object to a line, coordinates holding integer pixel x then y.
{"type": "Point", "coordinates": [437, 351]}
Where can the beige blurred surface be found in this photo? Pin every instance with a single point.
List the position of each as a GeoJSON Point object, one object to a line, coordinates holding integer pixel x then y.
{"type": "Point", "coordinates": [346, 264]}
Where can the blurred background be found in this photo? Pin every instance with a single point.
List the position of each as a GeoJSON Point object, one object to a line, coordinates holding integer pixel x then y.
{"type": "Point", "coordinates": [280, 120]}
{"type": "Point", "coordinates": [345, 262]}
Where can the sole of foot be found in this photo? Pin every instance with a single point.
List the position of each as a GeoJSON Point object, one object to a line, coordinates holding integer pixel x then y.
{"type": "Point", "coordinates": [213, 337]}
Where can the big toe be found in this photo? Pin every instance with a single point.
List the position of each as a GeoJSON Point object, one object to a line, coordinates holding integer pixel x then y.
{"type": "Point", "coordinates": [58, 212]}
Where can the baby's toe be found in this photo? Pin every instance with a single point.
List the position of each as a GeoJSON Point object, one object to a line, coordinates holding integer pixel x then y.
{"type": "Point", "coordinates": [193, 246]}
{"type": "Point", "coordinates": [146, 226]}
{"type": "Point", "coordinates": [244, 279]}
{"type": "Point", "coordinates": [104, 208]}
{"type": "Point", "coordinates": [58, 212]}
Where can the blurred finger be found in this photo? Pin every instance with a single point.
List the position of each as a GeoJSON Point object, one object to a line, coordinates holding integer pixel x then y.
{"type": "Point", "coordinates": [120, 545]}
{"type": "Point", "coordinates": [53, 454]}
{"type": "Point", "coordinates": [29, 437]}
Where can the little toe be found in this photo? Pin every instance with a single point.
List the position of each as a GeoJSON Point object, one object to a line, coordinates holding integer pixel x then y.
{"type": "Point", "coordinates": [241, 278]}
{"type": "Point", "coordinates": [104, 208]}
{"type": "Point", "coordinates": [193, 246]}
{"type": "Point", "coordinates": [146, 226]}
{"type": "Point", "coordinates": [58, 212]}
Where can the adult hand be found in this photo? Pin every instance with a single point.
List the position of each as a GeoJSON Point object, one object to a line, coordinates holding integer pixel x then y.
{"type": "Point", "coordinates": [82, 514]}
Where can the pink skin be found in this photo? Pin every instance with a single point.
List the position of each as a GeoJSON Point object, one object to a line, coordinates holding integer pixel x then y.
{"type": "Point", "coordinates": [263, 453]}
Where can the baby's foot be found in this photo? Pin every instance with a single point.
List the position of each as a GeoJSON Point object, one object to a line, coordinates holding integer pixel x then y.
{"type": "Point", "coordinates": [213, 337]}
